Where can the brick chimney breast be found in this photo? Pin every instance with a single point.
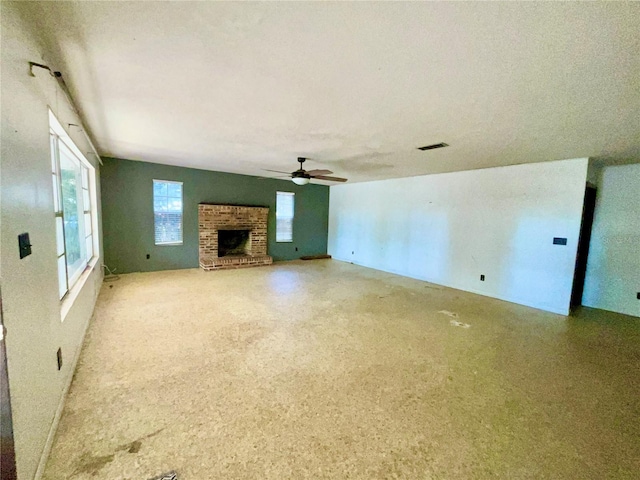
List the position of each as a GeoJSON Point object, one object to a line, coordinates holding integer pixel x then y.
{"type": "Point", "coordinates": [212, 218]}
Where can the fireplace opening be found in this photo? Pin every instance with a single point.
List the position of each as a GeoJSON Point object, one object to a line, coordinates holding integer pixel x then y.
{"type": "Point", "coordinates": [233, 243]}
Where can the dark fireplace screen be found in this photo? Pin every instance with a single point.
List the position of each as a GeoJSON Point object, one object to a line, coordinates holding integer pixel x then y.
{"type": "Point", "coordinates": [233, 242]}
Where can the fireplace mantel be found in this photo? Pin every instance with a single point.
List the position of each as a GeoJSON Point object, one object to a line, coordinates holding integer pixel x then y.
{"type": "Point", "coordinates": [212, 218]}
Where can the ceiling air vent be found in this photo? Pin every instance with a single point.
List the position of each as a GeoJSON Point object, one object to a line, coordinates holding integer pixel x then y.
{"type": "Point", "coordinates": [434, 146]}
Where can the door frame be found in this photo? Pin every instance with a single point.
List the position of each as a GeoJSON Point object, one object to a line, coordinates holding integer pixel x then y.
{"type": "Point", "coordinates": [7, 446]}
{"type": "Point", "coordinates": [584, 240]}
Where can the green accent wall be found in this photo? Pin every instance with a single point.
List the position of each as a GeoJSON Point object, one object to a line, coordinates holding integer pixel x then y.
{"type": "Point", "coordinates": [127, 213]}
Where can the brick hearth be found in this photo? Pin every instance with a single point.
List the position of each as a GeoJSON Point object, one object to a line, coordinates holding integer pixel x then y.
{"type": "Point", "coordinates": [212, 218]}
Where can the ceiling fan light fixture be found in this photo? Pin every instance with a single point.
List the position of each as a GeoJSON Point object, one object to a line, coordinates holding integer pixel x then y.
{"type": "Point", "coordinates": [300, 180]}
{"type": "Point", "coordinates": [303, 177]}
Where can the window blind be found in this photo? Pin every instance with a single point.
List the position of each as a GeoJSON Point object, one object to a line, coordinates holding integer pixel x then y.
{"type": "Point", "coordinates": [167, 212]}
{"type": "Point", "coordinates": [284, 216]}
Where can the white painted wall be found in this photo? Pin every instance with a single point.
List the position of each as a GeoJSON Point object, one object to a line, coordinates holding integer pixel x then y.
{"type": "Point", "coordinates": [451, 228]}
{"type": "Point", "coordinates": [30, 286]}
{"type": "Point", "coordinates": [613, 269]}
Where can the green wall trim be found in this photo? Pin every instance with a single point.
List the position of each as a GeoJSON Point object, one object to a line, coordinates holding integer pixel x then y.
{"type": "Point", "coordinates": [127, 213]}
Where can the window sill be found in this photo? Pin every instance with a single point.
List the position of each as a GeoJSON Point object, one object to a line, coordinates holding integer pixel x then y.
{"type": "Point", "coordinates": [176, 244]}
{"type": "Point", "coordinates": [70, 297]}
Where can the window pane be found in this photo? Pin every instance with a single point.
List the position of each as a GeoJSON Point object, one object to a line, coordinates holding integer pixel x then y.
{"type": "Point", "coordinates": [168, 228]}
{"type": "Point", "coordinates": [85, 177]}
{"type": "Point", "coordinates": [159, 188]}
{"type": "Point", "coordinates": [160, 204]}
{"type": "Point", "coordinates": [174, 189]}
{"type": "Point", "coordinates": [56, 198]}
{"type": "Point", "coordinates": [71, 215]}
{"type": "Point", "coordinates": [52, 142]}
{"type": "Point", "coordinates": [284, 230]}
{"type": "Point", "coordinates": [59, 236]}
{"type": "Point", "coordinates": [74, 270]}
{"type": "Point", "coordinates": [174, 204]}
{"type": "Point", "coordinates": [284, 205]}
{"type": "Point", "coordinates": [86, 202]}
{"type": "Point", "coordinates": [87, 226]}
{"type": "Point", "coordinates": [70, 175]}
{"type": "Point", "coordinates": [62, 275]}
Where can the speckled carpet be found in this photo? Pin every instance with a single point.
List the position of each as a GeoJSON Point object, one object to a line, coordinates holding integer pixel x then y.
{"type": "Point", "coordinates": [322, 369]}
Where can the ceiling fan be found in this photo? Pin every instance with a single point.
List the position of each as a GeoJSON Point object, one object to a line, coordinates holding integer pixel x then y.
{"type": "Point", "coordinates": [302, 176]}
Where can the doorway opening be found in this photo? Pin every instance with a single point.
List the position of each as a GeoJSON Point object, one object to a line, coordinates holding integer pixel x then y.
{"type": "Point", "coordinates": [580, 273]}
{"type": "Point", "coordinates": [7, 450]}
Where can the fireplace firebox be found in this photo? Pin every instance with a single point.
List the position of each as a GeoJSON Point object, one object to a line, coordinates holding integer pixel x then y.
{"type": "Point", "coordinates": [233, 242]}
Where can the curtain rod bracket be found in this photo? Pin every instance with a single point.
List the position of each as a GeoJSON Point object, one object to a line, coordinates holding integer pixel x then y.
{"type": "Point", "coordinates": [65, 90]}
{"type": "Point", "coordinates": [45, 67]}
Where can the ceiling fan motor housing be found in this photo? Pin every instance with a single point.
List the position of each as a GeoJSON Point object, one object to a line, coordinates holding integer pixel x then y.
{"type": "Point", "coordinates": [300, 173]}
{"type": "Point", "coordinates": [302, 177]}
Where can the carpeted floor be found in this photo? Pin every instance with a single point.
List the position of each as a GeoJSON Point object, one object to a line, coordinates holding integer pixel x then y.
{"type": "Point", "coordinates": [323, 369]}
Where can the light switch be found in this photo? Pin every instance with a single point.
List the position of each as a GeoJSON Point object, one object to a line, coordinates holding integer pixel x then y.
{"type": "Point", "coordinates": [24, 245]}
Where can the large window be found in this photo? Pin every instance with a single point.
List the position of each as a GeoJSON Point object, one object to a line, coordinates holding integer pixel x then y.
{"type": "Point", "coordinates": [167, 212]}
{"type": "Point", "coordinates": [73, 184]}
{"type": "Point", "coordinates": [284, 216]}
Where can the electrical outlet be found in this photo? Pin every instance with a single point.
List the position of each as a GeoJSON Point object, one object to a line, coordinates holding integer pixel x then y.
{"type": "Point", "coordinates": [59, 356]}
{"type": "Point", "coordinates": [148, 256]}
{"type": "Point", "coordinates": [352, 253]}
{"type": "Point", "coordinates": [296, 249]}
{"type": "Point", "coordinates": [638, 295]}
{"type": "Point", "coordinates": [482, 278]}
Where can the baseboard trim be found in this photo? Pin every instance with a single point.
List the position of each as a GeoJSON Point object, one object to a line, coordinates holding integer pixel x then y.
{"type": "Point", "coordinates": [516, 301]}
{"type": "Point", "coordinates": [46, 451]}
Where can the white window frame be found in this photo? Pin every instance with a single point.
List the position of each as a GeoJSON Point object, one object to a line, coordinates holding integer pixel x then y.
{"type": "Point", "coordinates": [181, 241]}
{"type": "Point", "coordinates": [69, 289]}
{"type": "Point", "coordinates": [280, 216]}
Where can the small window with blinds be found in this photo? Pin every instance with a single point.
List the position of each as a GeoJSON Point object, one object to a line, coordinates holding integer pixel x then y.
{"type": "Point", "coordinates": [284, 216]}
{"type": "Point", "coordinates": [167, 212]}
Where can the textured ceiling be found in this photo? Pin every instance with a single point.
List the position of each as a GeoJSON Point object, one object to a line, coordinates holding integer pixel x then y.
{"type": "Point", "coordinates": [240, 87]}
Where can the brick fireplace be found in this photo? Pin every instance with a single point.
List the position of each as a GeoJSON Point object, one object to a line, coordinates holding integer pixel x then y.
{"type": "Point", "coordinates": [232, 236]}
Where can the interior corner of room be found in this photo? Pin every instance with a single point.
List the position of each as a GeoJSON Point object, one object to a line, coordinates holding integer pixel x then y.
{"type": "Point", "coordinates": [115, 144]}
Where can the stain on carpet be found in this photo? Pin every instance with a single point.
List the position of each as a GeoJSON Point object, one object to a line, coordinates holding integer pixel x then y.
{"type": "Point", "coordinates": [134, 447]}
{"type": "Point", "coordinates": [92, 464]}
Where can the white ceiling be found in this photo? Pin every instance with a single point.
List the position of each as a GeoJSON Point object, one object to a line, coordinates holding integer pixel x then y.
{"type": "Point", "coordinates": [240, 87]}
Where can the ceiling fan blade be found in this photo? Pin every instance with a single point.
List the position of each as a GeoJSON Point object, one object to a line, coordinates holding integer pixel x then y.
{"type": "Point", "coordinates": [277, 177]}
{"type": "Point", "coordinates": [319, 172]}
{"type": "Point", "coordinates": [330, 179]}
{"type": "Point", "coordinates": [277, 171]}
